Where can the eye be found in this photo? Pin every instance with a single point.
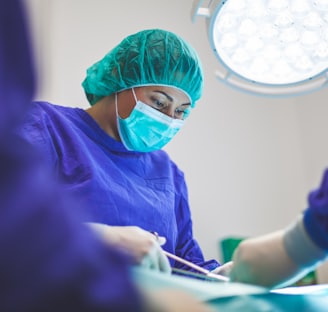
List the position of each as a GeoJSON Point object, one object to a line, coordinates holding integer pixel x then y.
{"type": "Point", "coordinates": [186, 112]}
{"type": "Point", "coordinates": [182, 113]}
{"type": "Point", "coordinates": [158, 103]}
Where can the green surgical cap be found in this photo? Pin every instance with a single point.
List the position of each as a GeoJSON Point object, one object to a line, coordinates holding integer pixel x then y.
{"type": "Point", "coordinates": [149, 57]}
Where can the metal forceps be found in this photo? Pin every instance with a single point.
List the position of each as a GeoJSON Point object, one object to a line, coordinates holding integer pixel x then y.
{"type": "Point", "coordinates": [196, 267]}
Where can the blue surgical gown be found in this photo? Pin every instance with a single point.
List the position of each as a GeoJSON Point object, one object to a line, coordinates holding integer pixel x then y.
{"type": "Point", "coordinates": [316, 216]}
{"type": "Point", "coordinates": [117, 186]}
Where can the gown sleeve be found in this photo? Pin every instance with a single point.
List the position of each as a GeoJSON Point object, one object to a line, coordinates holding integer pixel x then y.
{"type": "Point", "coordinates": [187, 246]}
{"type": "Point", "coordinates": [316, 216]}
{"type": "Point", "coordinates": [306, 240]}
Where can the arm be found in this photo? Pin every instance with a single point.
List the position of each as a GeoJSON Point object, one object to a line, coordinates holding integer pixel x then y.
{"type": "Point", "coordinates": [280, 258]}
{"type": "Point", "coordinates": [51, 262]}
{"type": "Point", "coordinates": [265, 261]}
{"type": "Point", "coordinates": [276, 259]}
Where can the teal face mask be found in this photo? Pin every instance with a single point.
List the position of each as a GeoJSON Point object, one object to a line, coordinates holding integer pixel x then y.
{"type": "Point", "coordinates": [146, 129]}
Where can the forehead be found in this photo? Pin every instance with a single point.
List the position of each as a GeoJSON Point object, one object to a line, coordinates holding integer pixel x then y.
{"type": "Point", "coordinates": [176, 94]}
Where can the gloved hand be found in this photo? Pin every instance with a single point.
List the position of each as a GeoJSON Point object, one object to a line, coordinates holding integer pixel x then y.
{"type": "Point", "coordinates": [262, 260]}
{"type": "Point", "coordinates": [142, 245]}
{"type": "Point", "coordinates": [224, 269]}
{"type": "Point", "coordinates": [156, 259]}
{"type": "Point", "coordinates": [276, 259]}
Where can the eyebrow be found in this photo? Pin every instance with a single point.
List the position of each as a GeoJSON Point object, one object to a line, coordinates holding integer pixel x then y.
{"type": "Point", "coordinates": [170, 98]}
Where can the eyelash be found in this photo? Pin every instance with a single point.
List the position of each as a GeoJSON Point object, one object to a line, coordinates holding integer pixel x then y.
{"type": "Point", "coordinates": [158, 105]}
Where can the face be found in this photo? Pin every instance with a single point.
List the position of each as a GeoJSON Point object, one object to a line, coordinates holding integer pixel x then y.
{"type": "Point", "coordinates": [168, 100]}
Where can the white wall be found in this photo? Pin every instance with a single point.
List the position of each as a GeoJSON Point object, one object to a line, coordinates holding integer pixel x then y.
{"type": "Point", "coordinates": [249, 161]}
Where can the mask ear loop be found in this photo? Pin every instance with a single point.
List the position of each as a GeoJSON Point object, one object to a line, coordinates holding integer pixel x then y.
{"type": "Point", "coordinates": [134, 94]}
{"type": "Point", "coordinates": [116, 110]}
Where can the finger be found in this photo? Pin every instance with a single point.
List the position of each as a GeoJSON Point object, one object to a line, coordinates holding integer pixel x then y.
{"type": "Point", "coordinates": [224, 269]}
{"type": "Point", "coordinates": [161, 240]}
{"type": "Point", "coordinates": [164, 263]}
{"type": "Point", "coordinates": [146, 262]}
{"type": "Point", "coordinates": [150, 259]}
{"type": "Point", "coordinates": [154, 257]}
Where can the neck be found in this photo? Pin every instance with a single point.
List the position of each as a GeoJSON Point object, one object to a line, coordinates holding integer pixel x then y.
{"type": "Point", "coordinates": [104, 113]}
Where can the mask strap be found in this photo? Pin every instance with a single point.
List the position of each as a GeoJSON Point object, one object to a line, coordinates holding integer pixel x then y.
{"type": "Point", "coordinates": [116, 105]}
{"type": "Point", "coordinates": [134, 94]}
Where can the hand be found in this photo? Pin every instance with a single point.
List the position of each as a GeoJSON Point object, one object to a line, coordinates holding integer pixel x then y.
{"type": "Point", "coordinates": [224, 269]}
{"type": "Point", "coordinates": [263, 261]}
{"type": "Point", "coordinates": [156, 259]}
{"type": "Point", "coordinates": [140, 244]}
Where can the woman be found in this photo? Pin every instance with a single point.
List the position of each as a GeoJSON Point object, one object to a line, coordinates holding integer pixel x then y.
{"type": "Point", "coordinates": [49, 260]}
{"type": "Point", "coordinates": [110, 155]}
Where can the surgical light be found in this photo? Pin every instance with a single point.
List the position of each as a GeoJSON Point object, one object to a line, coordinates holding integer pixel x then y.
{"type": "Point", "coordinates": [269, 47]}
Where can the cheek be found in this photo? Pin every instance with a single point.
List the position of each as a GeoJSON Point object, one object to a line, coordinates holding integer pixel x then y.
{"type": "Point", "coordinates": [125, 107]}
{"type": "Point", "coordinates": [125, 111]}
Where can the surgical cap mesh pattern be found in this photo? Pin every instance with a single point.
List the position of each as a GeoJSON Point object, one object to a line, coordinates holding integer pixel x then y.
{"type": "Point", "coordinates": [149, 57]}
